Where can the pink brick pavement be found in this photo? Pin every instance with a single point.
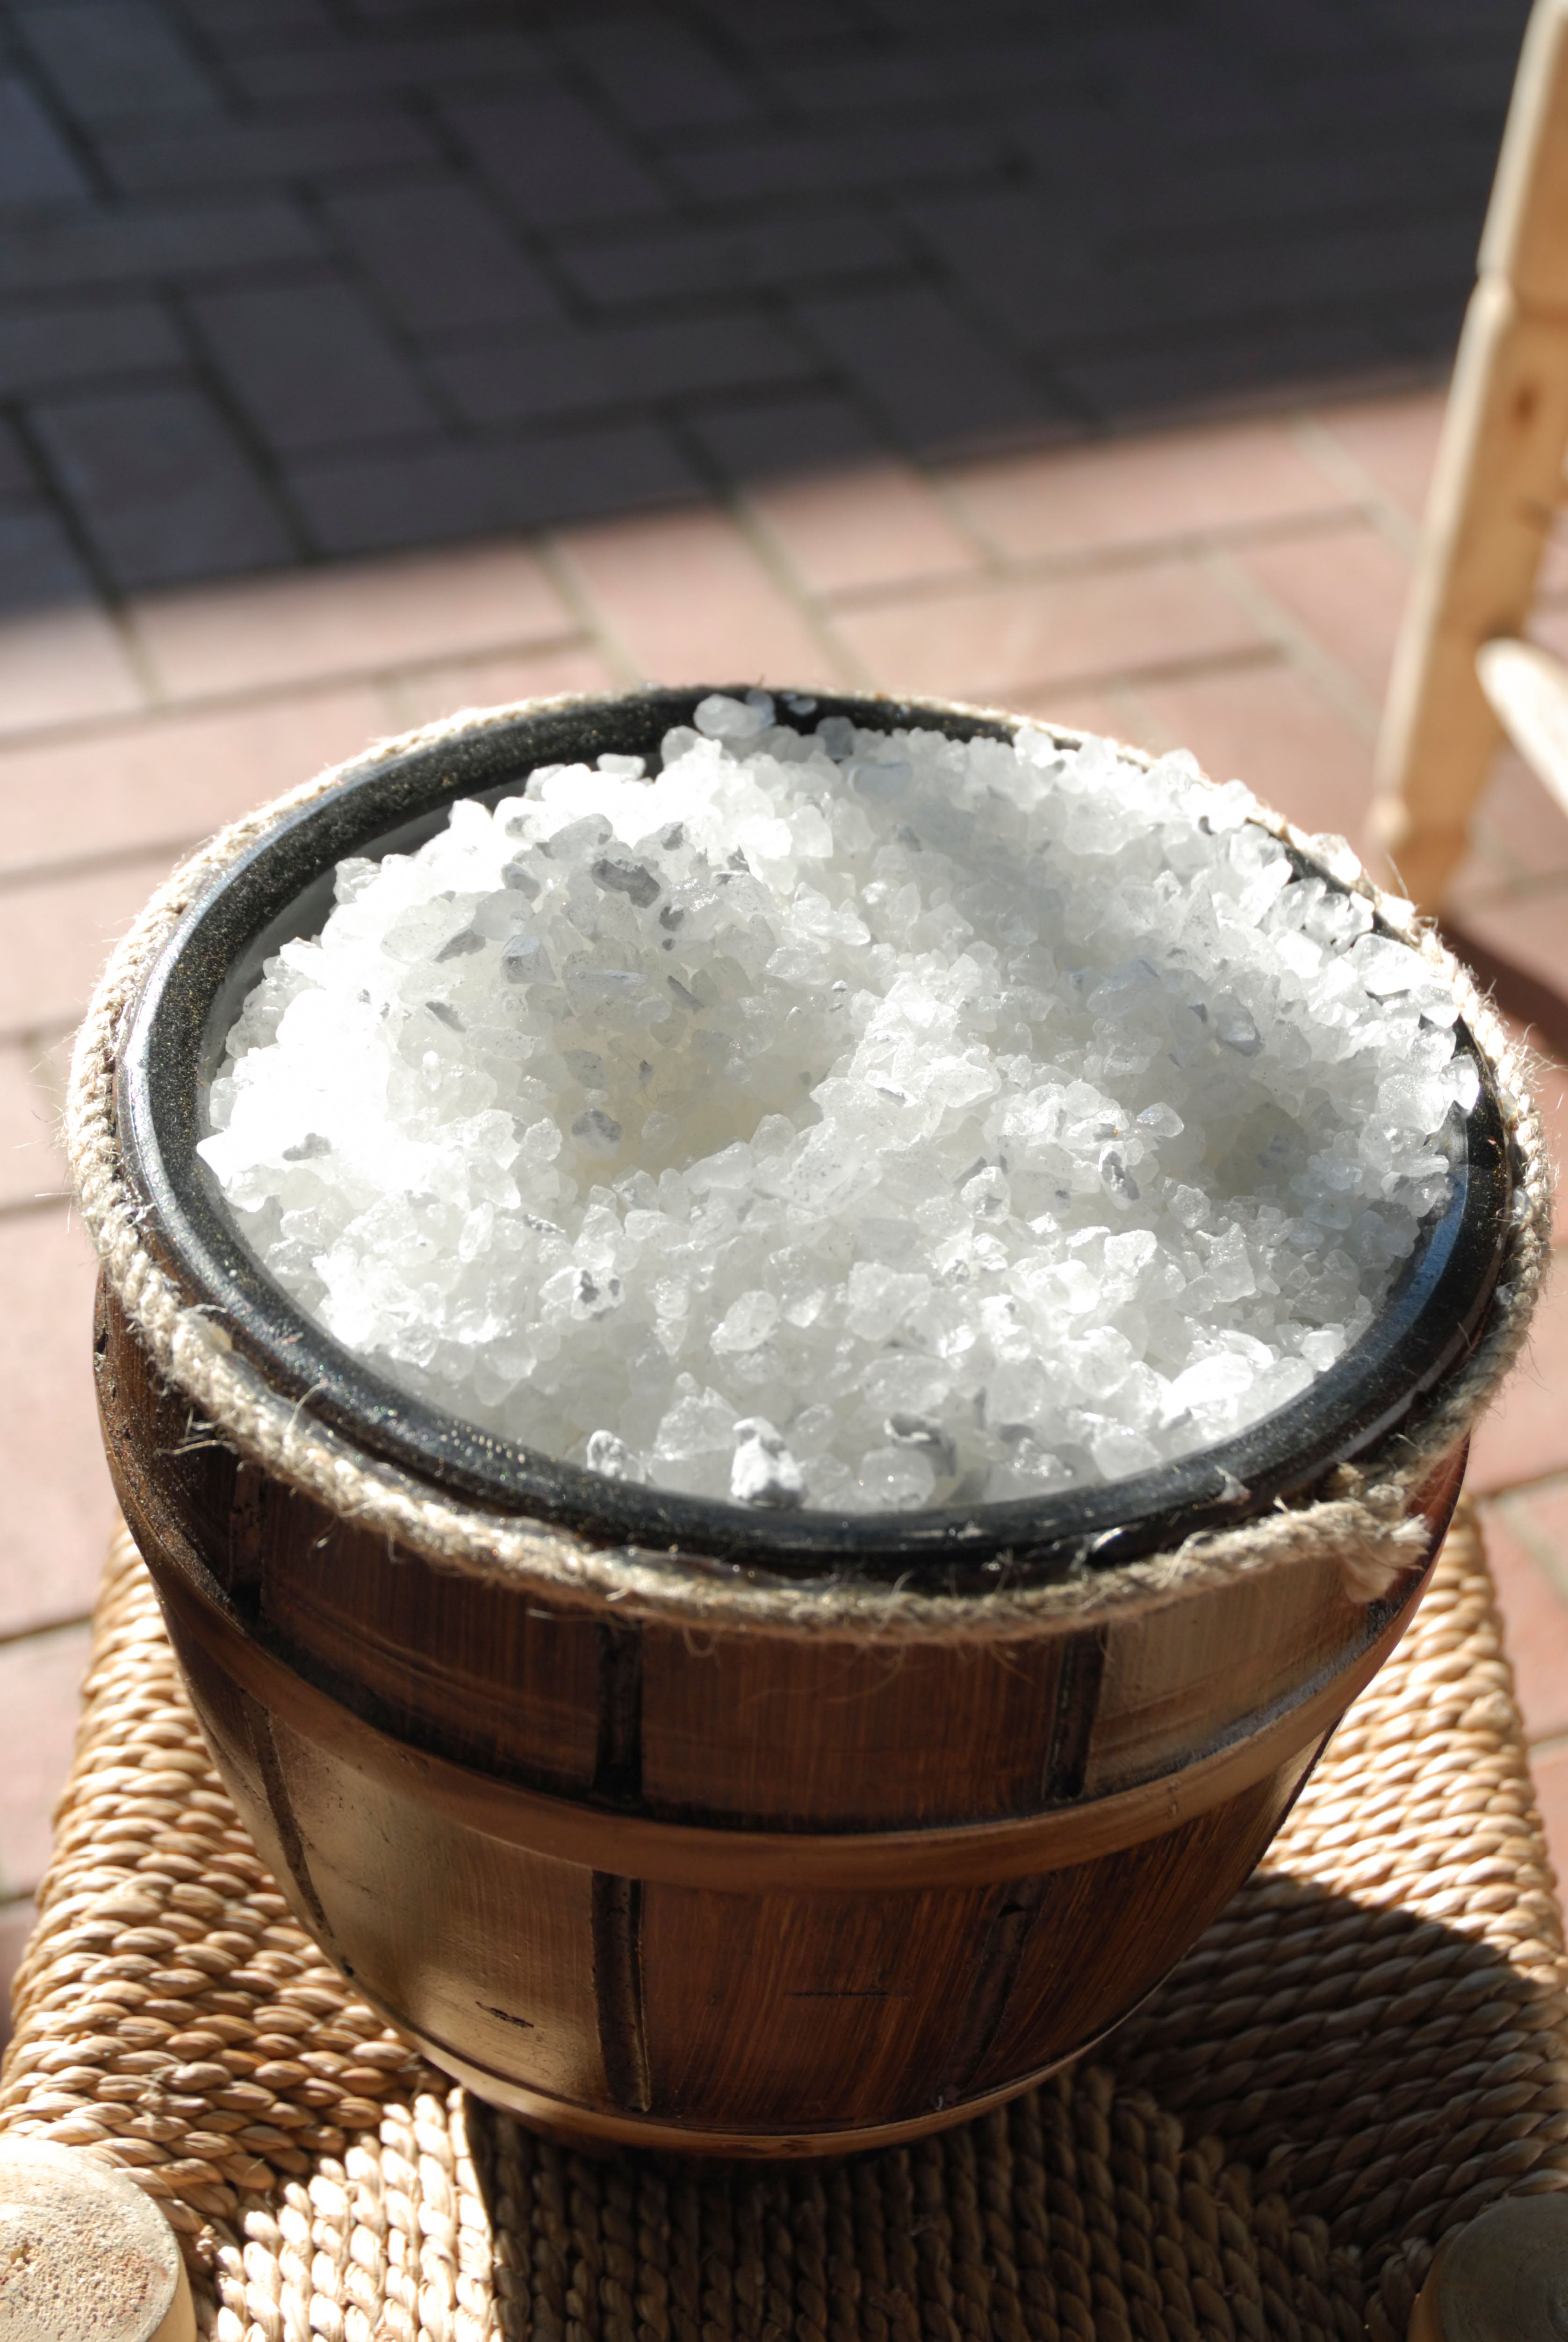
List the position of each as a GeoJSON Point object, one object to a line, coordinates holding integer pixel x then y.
{"type": "Point", "coordinates": [1233, 588]}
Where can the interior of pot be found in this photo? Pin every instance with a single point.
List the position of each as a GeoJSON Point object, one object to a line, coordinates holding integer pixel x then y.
{"type": "Point", "coordinates": [281, 887]}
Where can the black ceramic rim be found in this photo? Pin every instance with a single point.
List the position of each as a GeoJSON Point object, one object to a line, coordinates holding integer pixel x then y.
{"type": "Point", "coordinates": [281, 886]}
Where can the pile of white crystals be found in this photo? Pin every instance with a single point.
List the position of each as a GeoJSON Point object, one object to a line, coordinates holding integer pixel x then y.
{"type": "Point", "coordinates": [853, 1119]}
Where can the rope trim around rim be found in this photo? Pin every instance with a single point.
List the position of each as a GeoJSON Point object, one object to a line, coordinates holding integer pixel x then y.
{"type": "Point", "coordinates": [1365, 1525]}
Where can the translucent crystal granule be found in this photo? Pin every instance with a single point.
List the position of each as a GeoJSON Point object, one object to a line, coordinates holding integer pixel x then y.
{"type": "Point", "coordinates": [860, 1120]}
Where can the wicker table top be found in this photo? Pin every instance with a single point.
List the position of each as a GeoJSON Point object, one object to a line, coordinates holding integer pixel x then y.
{"type": "Point", "coordinates": [1365, 2050]}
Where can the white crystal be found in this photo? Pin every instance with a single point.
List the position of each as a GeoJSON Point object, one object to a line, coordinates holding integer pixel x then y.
{"type": "Point", "coordinates": [763, 1471]}
{"type": "Point", "coordinates": [865, 1120]}
{"type": "Point", "coordinates": [748, 1323]}
{"type": "Point", "coordinates": [612, 1456]}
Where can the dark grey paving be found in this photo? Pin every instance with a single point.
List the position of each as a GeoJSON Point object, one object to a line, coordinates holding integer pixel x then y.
{"type": "Point", "coordinates": [440, 257]}
{"type": "Point", "coordinates": [659, 75]}
{"type": "Point", "coordinates": [1221, 370]}
{"type": "Point", "coordinates": [84, 341]}
{"type": "Point", "coordinates": [806, 247]}
{"type": "Point", "coordinates": [1036, 288]}
{"type": "Point", "coordinates": [1347, 189]}
{"type": "Point", "coordinates": [159, 483]}
{"type": "Point", "coordinates": [779, 26]}
{"type": "Point", "coordinates": [420, 496]}
{"type": "Point", "coordinates": [781, 435]}
{"type": "Point", "coordinates": [1255, 281]}
{"type": "Point", "coordinates": [919, 364]}
{"type": "Point", "coordinates": [36, 167]}
{"type": "Point", "coordinates": [388, 270]}
{"type": "Point", "coordinates": [39, 563]}
{"type": "Point", "coordinates": [555, 162]}
{"type": "Point", "coordinates": [108, 59]}
{"type": "Point", "coordinates": [312, 366]}
{"type": "Point", "coordinates": [575, 371]}
{"type": "Point", "coordinates": [15, 474]}
{"type": "Point", "coordinates": [243, 22]}
{"type": "Point", "coordinates": [282, 149]}
{"type": "Point", "coordinates": [1416, 322]}
{"type": "Point", "coordinates": [152, 244]}
{"type": "Point", "coordinates": [869, 153]}
{"type": "Point", "coordinates": [939, 72]}
{"type": "Point", "coordinates": [337, 66]}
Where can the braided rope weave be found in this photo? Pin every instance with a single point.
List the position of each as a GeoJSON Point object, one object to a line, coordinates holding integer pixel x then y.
{"type": "Point", "coordinates": [1365, 2047]}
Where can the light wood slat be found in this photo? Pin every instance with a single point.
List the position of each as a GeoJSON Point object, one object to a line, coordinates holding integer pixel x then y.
{"type": "Point", "coordinates": [1525, 238]}
{"type": "Point", "coordinates": [1528, 691]}
{"type": "Point", "coordinates": [1494, 489]}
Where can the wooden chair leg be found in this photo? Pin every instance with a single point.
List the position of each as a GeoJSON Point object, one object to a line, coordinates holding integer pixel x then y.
{"type": "Point", "coordinates": [1504, 2278]}
{"type": "Point", "coordinates": [1496, 489]}
{"type": "Point", "coordinates": [84, 2252]}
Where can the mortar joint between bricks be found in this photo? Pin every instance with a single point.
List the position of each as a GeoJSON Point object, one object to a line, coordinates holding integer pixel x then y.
{"type": "Point", "coordinates": [717, 30]}
{"type": "Point", "coordinates": [352, 272]}
{"type": "Point", "coordinates": [1148, 673]}
{"type": "Point", "coordinates": [466, 169]}
{"type": "Point", "coordinates": [932, 269]}
{"type": "Point", "coordinates": [542, 250]}
{"type": "Point", "coordinates": [1298, 646]}
{"type": "Point", "coordinates": [938, 478]}
{"type": "Point", "coordinates": [575, 591]}
{"type": "Point", "coordinates": [809, 608]}
{"type": "Point", "coordinates": [212, 382]}
{"type": "Point", "coordinates": [69, 1624]}
{"type": "Point", "coordinates": [62, 505]}
{"type": "Point", "coordinates": [1095, 560]}
{"type": "Point", "coordinates": [1316, 437]}
{"type": "Point", "coordinates": [1137, 553]}
{"type": "Point", "coordinates": [117, 723]}
{"type": "Point", "coordinates": [578, 83]}
{"type": "Point", "coordinates": [74, 134]}
{"type": "Point", "coordinates": [19, 878]}
{"type": "Point", "coordinates": [1514, 1505]}
{"type": "Point", "coordinates": [198, 38]}
{"type": "Point", "coordinates": [1144, 730]}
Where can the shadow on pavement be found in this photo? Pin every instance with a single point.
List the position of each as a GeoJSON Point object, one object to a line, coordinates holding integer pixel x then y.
{"type": "Point", "coordinates": [283, 283]}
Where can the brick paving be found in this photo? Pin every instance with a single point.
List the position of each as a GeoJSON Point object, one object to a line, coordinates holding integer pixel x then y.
{"type": "Point", "coordinates": [324, 276]}
{"type": "Point", "coordinates": [1232, 586]}
{"type": "Point", "coordinates": [358, 362]}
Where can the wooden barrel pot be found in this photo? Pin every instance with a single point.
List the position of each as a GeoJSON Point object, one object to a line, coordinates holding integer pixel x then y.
{"type": "Point", "coordinates": [662, 1821]}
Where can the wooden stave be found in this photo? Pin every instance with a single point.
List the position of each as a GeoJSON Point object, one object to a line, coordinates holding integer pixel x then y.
{"type": "Point", "coordinates": [625, 2078]}
{"type": "Point", "coordinates": [457, 1885]}
{"type": "Point", "coordinates": [446, 1676]}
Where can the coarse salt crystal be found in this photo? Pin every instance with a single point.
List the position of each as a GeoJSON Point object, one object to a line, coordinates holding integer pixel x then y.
{"type": "Point", "coordinates": [843, 1118]}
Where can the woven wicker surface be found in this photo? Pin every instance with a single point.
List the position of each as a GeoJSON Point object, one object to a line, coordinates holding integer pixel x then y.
{"type": "Point", "coordinates": [1365, 2048]}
